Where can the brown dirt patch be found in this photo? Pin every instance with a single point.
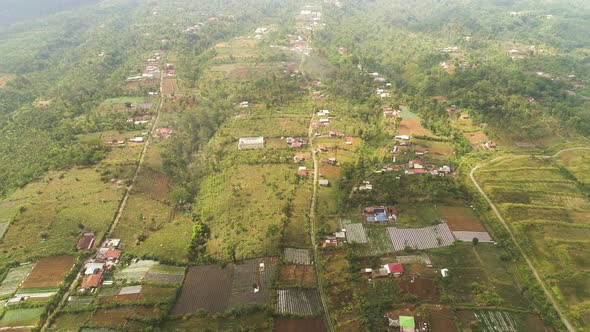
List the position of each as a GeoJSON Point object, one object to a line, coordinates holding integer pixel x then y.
{"type": "Point", "coordinates": [139, 84]}
{"type": "Point", "coordinates": [535, 323]}
{"type": "Point", "coordinates": [122, 298]}
{"type": "Point", "coordinates": [240, 73]}
{"type": "Point", "coordinates": [460, 219]}
{"type": "Point", "coordinates": [330, 171]}
{"type": "Point", "coordinates": [49, 272]}
{"type": "Point", "coordinates": [412, 126]}
{"type": "Point", "coordinates": [168, 86]}
{"type": "Point", "coordinates": [423, 289]}
{"type": "Point", "coordinates": [282, 324]}
{"type": "Point", "coordinates": [476, 138]}
{"type": "Point", "coordinates": [442, 319]}
{"type": "Point", "coordinates": [205, 287]}
{"type": "Point", "coordinates": [299, 275]}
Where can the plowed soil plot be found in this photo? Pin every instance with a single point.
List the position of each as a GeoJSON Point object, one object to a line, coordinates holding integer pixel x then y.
{"type": "Point", "coordinates": [49, 272]}
{"type": "Point", "coordinates": [412, 126]}
{"type": "Point", "coordinates": [330, 171]}
{"type": "Point", "coordinates": [205, 287]}
{"type": "Point", "coordinates": [442, 319]}
{"type": "Point", "coordinates": [301, 275]}
{"type": "Point", "coordinates": [168, 86]}
{"type": "Point", "coordinates": [460, 219]}
{"type": "Point", "coordinates": [424, 289]}
{"type": "Point", "coordinates": [298, 324]}
{"type": "Point", "coordinates": [476, 138]}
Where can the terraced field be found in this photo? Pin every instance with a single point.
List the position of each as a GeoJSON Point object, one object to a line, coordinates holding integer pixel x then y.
{"type": "Point", "coordinates": [545, 203]}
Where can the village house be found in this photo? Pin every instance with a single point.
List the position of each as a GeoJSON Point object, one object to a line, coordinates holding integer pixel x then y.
{"type": "Point", "coordinates": [444, 170]}
{"type": "Point", "coordinates": [93, 268]}
{"type": "Point", "coordinates": [324, 121]}
{"type": "Point", "coordinates": [112, 243]}
{"type": "Point", "coordinates": [323, 183]}
{"type": "Point", "coordinates": [86, 241]}
{"type": "Point", "coordinates": [464, 116]}
{"type": "Point", "coordinates": [108, 254]}
{"type": "Point", "coordinates": [402, 137]}
{"type": "Point", "coordinates": [303, 171]}
{"type": "Point", "coordinates": [365, 186]}
{"type": "Point", "coordinates": [490, 145]}
{"type": "Point", "coordinates": [138, 139]}
{"type": "Point", "coordinates": [251, 143]}
{"type": "Point", "coordinates": [164, 132]}
{"type": "Point", "coordinates": [394, 269]}
{"type": "Point", "coordinates": [142, 119]}
{"type": "Point", "coordinates": [416, 163]}
{"type": "Point", "coordinates": [244, 104]}
{"type": "Point", "coordinates": [90, 282]}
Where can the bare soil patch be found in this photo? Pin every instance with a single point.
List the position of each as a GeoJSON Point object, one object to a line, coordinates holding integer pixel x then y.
{"type": "Point", "coordinates": [300, 275]}
{"type": "Point", "coordinates": [205, 287]}
{"type": "Point", "coordinates": [49, 272]}
{"type": "Point", "coordinates": [330, 171]}
{"type": "Point", "coordinates": [423, 289]}
{"type": "Point", "coordinates": [442, 319]}
{"type": "Point", "coordinates": [282, 324]}
{"type": "Point", "coordinates": [460, 219]}
{"type": "Point", "coordinates": [412, 126]}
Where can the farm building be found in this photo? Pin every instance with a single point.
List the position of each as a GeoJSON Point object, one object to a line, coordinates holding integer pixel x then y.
{"type": "Point", "coordinates": [421, 238]}
{"type": "Point", "coordinates": [403, 137]}
{"type": "Point", "coordinates": [86, 241]}
{"type": "Point", "coordinates": [112, 243]}
{"type": "Point", "coordinates": [93, 268]}
{"type": "Point", "coordinates": [91, 281]}
{"type": "Point", "coordinates": [416, 163]}
{"type": "Point", "coordinates": [323, 182]}
{"type": "Point", "coordinates": [246, 143]}
{"type": "Point", "coordinates": [108, 254]}
{"type": "Point", "coordinates": [302, 170]}
{"type": "Point", "coordinates": [138, 139]}
{"type": "Point", "coordinates": [464, 236]}
{"type": "Point", "coordinates": [395, 269]}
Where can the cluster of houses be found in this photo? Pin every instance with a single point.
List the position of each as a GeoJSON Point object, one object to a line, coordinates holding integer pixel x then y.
{"type": "Point", "coordinates": [151, 70]}
{"type": "Point", "coordinates": [387, 270]}
{"type": "Point", "coordinates": [334, 240]}
{"type": "Point", "coordinates": [260, 32]}
{"type": "Point", "coordinates": [106, 258]}
{"type": "Point", "coordinates": [417, 166]}
{"type": "Point", "coordinates": [389, 112]}
{"type": "Point", "coordinates": [297, 142]}
{"type": "Point", "coordinates": [383, 91]}
{"type": "Point", "coordinates": [380, 214]}
{"type": "Point", "coordinates": [170, 70]}
{"type": "Point", "coordinates": [140, 119]}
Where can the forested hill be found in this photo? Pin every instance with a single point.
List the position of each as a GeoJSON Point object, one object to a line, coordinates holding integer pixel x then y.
{"type": "Point", "coordinates": [18, 10]}
{"type": "Point", "coordinates": [516, 65]}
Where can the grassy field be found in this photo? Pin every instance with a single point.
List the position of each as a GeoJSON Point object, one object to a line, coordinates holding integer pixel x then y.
{"type": "Point", "coordinates": [245, 208]}
{"type": "Point", "coordinates": [56, 210]}
{"type": "Point", "coordinates": [417, 215]}
{"type": "Point", "coordinates": [546, 205]}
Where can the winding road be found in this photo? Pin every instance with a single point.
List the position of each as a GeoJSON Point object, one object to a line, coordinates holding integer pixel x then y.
{"type": "Point", "coordinates": [550, 296]}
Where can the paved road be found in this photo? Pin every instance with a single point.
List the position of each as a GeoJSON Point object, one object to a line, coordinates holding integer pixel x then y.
{"type": "Point", "coordinates": [564, 319]}
{"type": "Point", "coordinates": [121, 206]}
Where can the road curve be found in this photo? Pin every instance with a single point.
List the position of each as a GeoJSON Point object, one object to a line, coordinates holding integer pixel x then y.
{"type": "Point", "coordinates": [563, 318]}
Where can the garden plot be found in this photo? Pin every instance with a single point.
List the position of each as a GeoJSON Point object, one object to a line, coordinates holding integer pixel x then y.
{"type": "Point", "coordinates": [297, 275]}
{"type": "Point", "coordinates": [355, 233]}
{"type": "Point", "coordinates": [216, 289]}
{"type": "Point", "coordinates": [130, 290]}
{"type": "Point", "coordinates": [290, 324]}
{"type": "Point", "coordinates": [300, 302]}
{"type": "Point", "coordinates": [48, 272]}
{"type": "Point", "coordinates": [297, 256]}
{"type": "Point", "coordinates": [259, 272]}
{"type": "Point", "coordinates": [460, 218]}
{"type": "Point", "coordinates": [410, 259]}
{"type": "Point", "coordinates": [469, 236]}
{"type": "Point", "coordinates": [13, 279]}
{"type": "Point", "coordinates": [26, 318]}
{"type": "Point", "coordinates": [165, 274]}
{"type": "Point", "coordinates": [493, 321]}
{"type": "Point", "coordinates": [205, 287]}
{"type": "Point", "coordinates": [379, 242]}
{"type": "Point", "coordinates": [136, 272]}
{"type": "Point", "coordinates": [421, 238]}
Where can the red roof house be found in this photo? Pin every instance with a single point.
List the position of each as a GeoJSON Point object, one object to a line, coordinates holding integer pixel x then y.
{"type": "Point", "coordinates": [418, 171]}
{"type": "Point", "coordinates": [91, 281]}
{"type": "Point", "coordinates": [394, 268]}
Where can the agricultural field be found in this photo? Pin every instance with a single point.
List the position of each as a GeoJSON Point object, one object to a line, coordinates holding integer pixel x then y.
{"type": "Point", "coordinates": [298, 302]}
{"type": "Point", "coordinates": [56, 209]}
{"type": "Point", "coordinates": [216, 289]}
{"type": "Point", "coordinates": [14, 278]}
{"type": "Point", "coordinates": [244, 208]}
{"type": "Point", "coordinates": [21, 317]}
{"type": "Point", "coordinates": [437, 151]}
{"type": "Point", "coordinates": [284, 324]}
{"type": "Point", "coordinates": [416, 214]}
{"type": "Point", "coordinates": [378, 241]}
{"type": "Point", "coordinates": [255, 321]}
{"type": "Point", "coordinates": [297, 276]}
{"type": "Point", "coordinates": [547, 211]}
{"type": "Point", "coordinates": [48, 273]}
{"type": "Point", "coordinates": [412, 126]}
{"type": "Point", "coordinates": [460, 218]}
{"type": "Point", "coordinates": [297, 256]}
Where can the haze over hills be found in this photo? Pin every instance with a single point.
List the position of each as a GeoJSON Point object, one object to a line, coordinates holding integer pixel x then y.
{"type": "Point", "coordinates": [288, 165]}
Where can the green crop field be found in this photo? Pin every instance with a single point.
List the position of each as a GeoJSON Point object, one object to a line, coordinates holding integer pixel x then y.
{"type": "Point", "coordinates": [547, 208]}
